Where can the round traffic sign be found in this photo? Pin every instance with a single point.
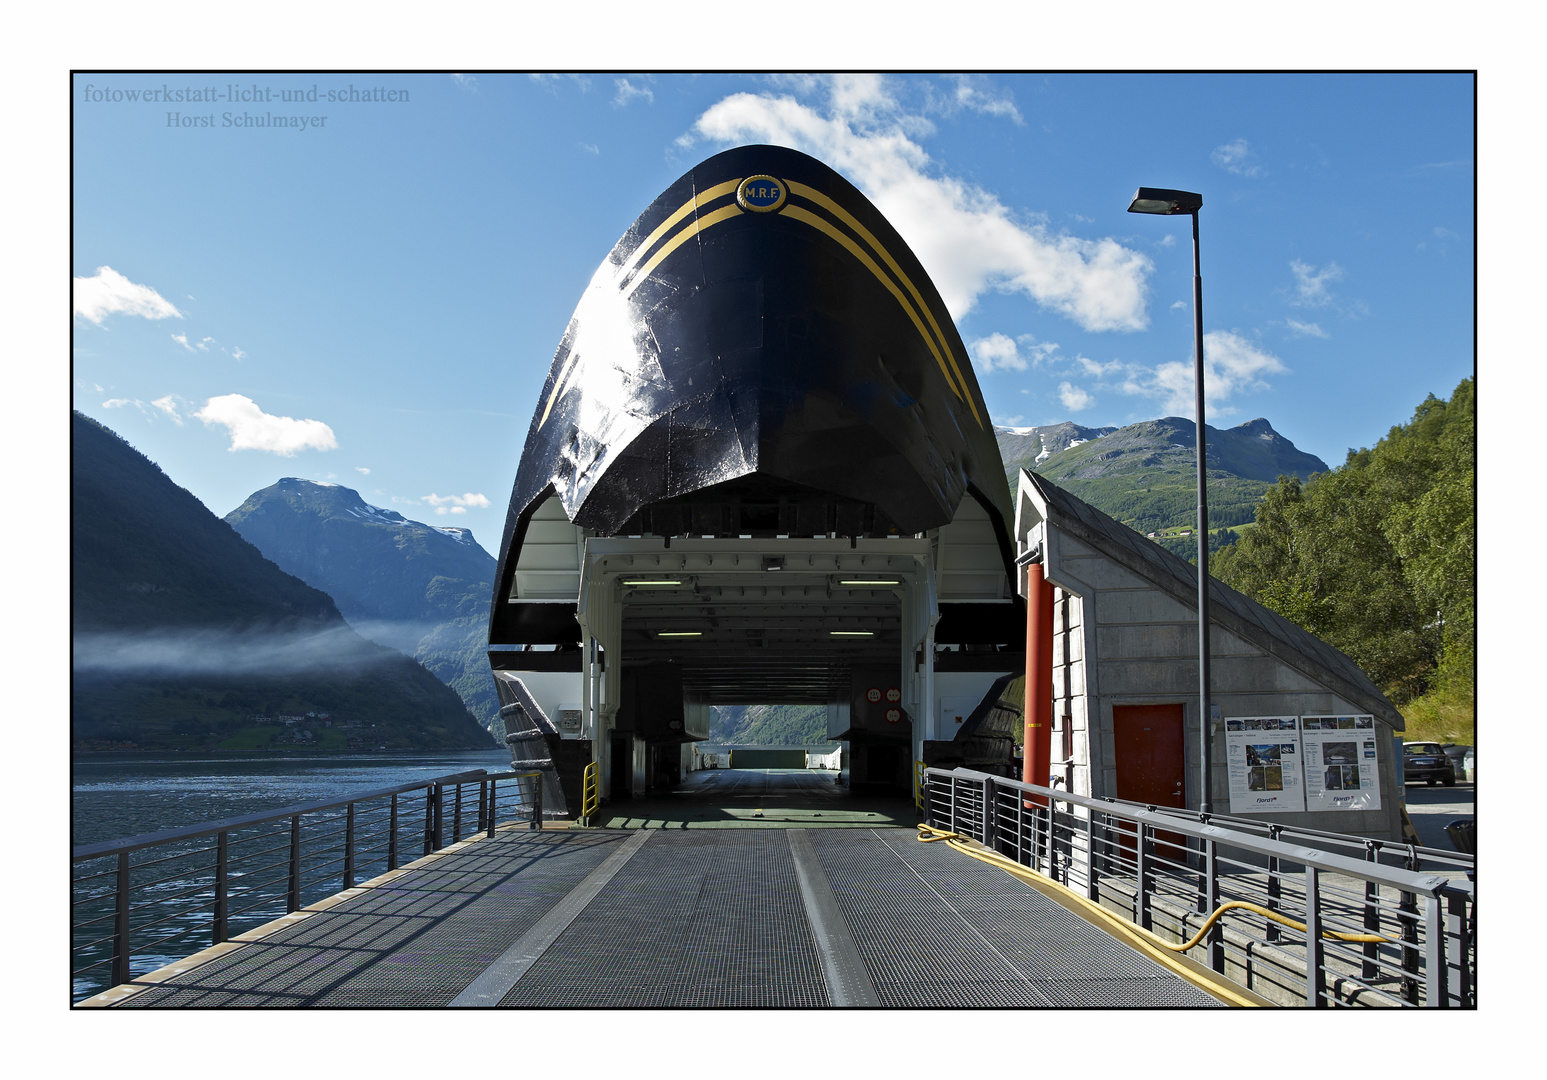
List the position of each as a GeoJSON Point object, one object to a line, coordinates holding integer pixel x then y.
{"type": "Point", "coordinates": [893, 715]}
{"type": "Point", "coordinates": [873, 695]}
{"type": "Point", "coordinates": [893, 695]}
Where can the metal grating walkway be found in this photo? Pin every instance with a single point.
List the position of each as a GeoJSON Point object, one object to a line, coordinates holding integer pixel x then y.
{"type": "Point", "coordinates": [688, 919]}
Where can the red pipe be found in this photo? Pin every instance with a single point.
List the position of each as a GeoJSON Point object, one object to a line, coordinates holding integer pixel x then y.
{"type": "Point", "coordinates": [1039, 681]}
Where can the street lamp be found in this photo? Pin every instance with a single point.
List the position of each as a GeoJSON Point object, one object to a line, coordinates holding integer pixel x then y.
{"type": "Point", "coordinates": [1167, 202]}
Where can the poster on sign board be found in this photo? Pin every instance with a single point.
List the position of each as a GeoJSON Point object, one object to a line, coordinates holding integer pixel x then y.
{"type": "Point", "coordinates": [1340, 764]}
{"type": "Point", "coordinates": [1263, 757]}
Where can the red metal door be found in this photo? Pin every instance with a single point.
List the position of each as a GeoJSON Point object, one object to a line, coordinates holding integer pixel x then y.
{"type": "Point", "coordinates": [1151, 763]}
{"type": "Point", "coordinates": [1151, 760]}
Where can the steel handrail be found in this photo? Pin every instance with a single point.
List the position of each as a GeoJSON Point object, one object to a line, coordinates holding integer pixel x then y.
{"type": "Point", "coordinates": [1459, 857]}
{"type": "Point", "coordinates": [1077, 844]}
{"type": "Point", "coordinates": [320, 837]}
{"type": "Point", "coordinates": [1396, 877]}
{"type": "Point", "coordinates": [134, 843]}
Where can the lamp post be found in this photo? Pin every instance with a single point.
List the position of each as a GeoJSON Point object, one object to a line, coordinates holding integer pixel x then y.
{"type": "Point", "coordinates": [1167, 202]}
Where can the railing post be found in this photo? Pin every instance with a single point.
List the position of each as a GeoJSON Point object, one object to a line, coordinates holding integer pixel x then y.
{"type": "Point", "coordinates": [955, 814]}
{"type": "Point", "coordinates": [429, 819]}
{"type": "Point", "coordinates": [1274, 931]}
{"type": "Point", "coordinates": [537, 802]}
{"type": "Point", "coordinates": [483, 805]}
{"type": "Point", "coordinates": [1434, 975]}
{"type": "Point", "coordinates": [121, 922]}
{"type": "Point", "coordinates": [493, 797]}
{"type": "Point", "coordinates": [440, 816]}
{"type": "Point", "coordinates": [293, 893]}
{"type": "Point", "coordinates": [1368, 968]}
{"type": "Point", "coordinates": [456, 816]}
{"type": "Point", "coordinates": [1315, 954]}
{"type": "Point", "coordinates": [1408, 907]}
{"type": "Point", "coordinates": [392, 835]}
{"type": "Point", "coordinates": [1461, 973]}
{"type": "Point", "coordinates": [1092, 874]}
{"type": "Point", "coordinates": [222, 859]}
{"type": "Point", "coordinates": [349, 847]}
{"type": "Point", "coordinates": [1022, 855]}
{"type": "Point", "coordinates": [988, 813]}
{"type": "Point", "coordinates": [1216, 938]}
{"type": "Point", "coordinates": [1141, 896]}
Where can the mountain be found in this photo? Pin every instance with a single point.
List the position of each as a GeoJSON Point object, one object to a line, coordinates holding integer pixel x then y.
{"type": "Point", "coordinates": [417, 588]}
{"type": "Point", "coordinates": [184, 633]}
{"type": "Point", "coordinates": [1034, 445]}
{"type": "Point", "coordinates": [1145, 474]}
{"type": "Point", "coordinates": [769, 725]}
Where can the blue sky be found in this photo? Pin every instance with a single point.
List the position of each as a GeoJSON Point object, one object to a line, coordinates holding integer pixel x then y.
{"type": "Point", "coordinates": [375, 301]}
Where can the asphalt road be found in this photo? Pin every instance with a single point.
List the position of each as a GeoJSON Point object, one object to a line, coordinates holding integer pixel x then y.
{"type": "Point", "coordinates": [1432, 808]}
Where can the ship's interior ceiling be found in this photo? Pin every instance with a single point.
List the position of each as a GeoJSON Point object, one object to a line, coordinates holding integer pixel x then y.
{"type": "Point", "coordinates": [780, 636]}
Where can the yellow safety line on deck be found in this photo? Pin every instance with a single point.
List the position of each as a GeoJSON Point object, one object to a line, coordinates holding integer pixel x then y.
{"type": "Point", "coordinates": [1136, 937]}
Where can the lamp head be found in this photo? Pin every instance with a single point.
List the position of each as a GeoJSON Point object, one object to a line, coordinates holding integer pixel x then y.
{"type": "Point", "coordinates": [1149, 200]}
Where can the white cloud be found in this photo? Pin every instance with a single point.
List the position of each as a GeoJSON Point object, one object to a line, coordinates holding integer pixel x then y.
{"type": "Point", "coordinates": [974, 94]}
{"type": "Point", "coordinates": [1445, 234]}
{"type": "Point", "coordinates": [168, 405]}
{"type": "Point", "coordinates": [456, 504]}
{"type": "Point", "coordinates": [466, 82]}
{"type": "Point", "coordinates": [108, 292]}
{"type": "Point", "coordinates": [1168, 240]}
{"type": "Point", "coordinates": [1092, 367]}
{"type": "Point", "coordinates": [999, 352]}
{"type": "Point", "coordinates": [362, 470]}
{"type": "Point", "coordinates": [253, 429]}
{"type": "Point", "coordinates": [1305, 329]}
{"type": "Point", "coordinates": [204, 344]}
{"type": "Point", "coordinates": [1074, 398]}
{"type": "Point", "coordinates": [1311, 284]}
{"type": "Point", "coordinates": [1232, 157]}
{"type": "Point", "coordinates": [627, 92]}
{"type": "Point", "coordinates": [996, 351]}
{"type": "Point", "coordinates": [236, 352]}
{"type": "Point", "coordinates": [1181, 304]}
{"type": "Point", "coordinates": [182, 339]}
{"type": "Point", "coordinates": [1231, 365]}
{"type": "Point", "coordinates": [966, 238]}
{"type": "Point", "coordinates": [590, 148]}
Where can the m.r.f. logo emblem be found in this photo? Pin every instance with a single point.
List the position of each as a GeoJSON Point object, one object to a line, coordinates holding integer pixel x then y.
{"type": "Point", "coordinates": [761, 194]}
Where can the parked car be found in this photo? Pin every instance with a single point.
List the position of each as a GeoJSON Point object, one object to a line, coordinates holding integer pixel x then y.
{"type": "Point", "coordinates": [1427, 761]}
{"type": "Point", "coordinates": [1457, 755]}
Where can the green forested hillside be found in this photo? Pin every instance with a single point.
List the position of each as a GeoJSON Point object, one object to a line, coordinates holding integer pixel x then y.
{"type": "Point", "coordinates": [1378, 557]}
{"type": "Point", "coordinates": [769, 725]}
{"type": "Point", "coordinates": [1145, 474]}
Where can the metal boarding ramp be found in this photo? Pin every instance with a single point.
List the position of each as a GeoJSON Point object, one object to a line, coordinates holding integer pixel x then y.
{"type": "Point", "coordinates": [578, 918]}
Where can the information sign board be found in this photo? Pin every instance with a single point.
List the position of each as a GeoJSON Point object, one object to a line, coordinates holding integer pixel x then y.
{"type": "Point", "coordinates": [1263, 755]}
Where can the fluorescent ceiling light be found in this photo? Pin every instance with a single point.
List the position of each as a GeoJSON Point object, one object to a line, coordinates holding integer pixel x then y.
{"type": "Point", "coordinates": [888, 581]}
{"type": "Point", "coordinates": [679, 633]}
{"type": "Point", "coordinates": [851, 633]}
{"type": "Point", "coordinates": [652, 581]}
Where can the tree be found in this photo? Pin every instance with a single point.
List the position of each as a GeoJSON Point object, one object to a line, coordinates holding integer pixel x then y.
{"type": "Point", "coordinates": [1377, 556]}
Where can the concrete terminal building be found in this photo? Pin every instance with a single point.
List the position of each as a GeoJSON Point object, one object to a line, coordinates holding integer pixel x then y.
{"type": "Point", "coordinates": [761, 471]}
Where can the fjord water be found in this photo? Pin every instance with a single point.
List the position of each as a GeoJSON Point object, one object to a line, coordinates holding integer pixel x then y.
{"type": "Point", "coordinates": [128, 794]}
